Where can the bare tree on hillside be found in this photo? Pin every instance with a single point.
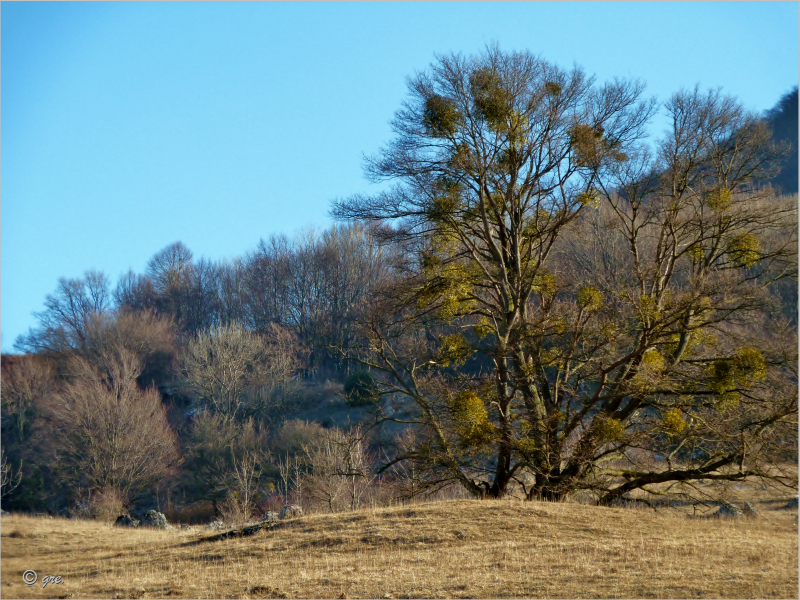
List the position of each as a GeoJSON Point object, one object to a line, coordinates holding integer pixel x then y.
{"type": "Point", "coordinates": [223, 456]}
{"type": "Point", "coordinates": [340, 468]}
{"type": "Point", "coordinates": [112, 434]}
{"type": "Point", "coordinates": [63, 322]}
{"type": "Point", "coordinates": [596, 364]}
{"type": "Point", "coordinates": [234, 371]}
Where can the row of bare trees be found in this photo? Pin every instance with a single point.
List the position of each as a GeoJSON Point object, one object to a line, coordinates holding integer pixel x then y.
{"type": "Point", "coordinates": [171, 381]}
{"type": "Point", "coordinates": [313, 285]}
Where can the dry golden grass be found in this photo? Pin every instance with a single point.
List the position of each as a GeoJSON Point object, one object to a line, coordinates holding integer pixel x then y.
{"type": "Point", "coordinates": [457, 549]}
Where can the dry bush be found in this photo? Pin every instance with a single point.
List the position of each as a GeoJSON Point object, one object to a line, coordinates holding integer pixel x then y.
{"type": "Point", "coordinates": [106, 505]}
{"type": "Point", "coordinates": [340, 469]}
{"type": "Point", "coordinates": [295, 435]}
{"type": "Point", "coordinates": [332, 388]}
{"type": "Point", "coordinates": [231, 511]}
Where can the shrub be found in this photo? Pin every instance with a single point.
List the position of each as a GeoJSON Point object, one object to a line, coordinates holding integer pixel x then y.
{"type": "Point", "coordinates": [106, 505]}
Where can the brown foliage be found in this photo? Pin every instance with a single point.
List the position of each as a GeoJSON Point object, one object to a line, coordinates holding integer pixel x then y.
{"type": "Point", "coordinates": [26, 380]}
{"type": "Point", "coordinates": [112, 434]}
{"type": "Point", "coordinates": [234, 371]}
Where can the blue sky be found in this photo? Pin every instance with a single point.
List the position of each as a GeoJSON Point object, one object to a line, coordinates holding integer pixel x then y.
{"type": "Point", "coordinates": [128, 126]}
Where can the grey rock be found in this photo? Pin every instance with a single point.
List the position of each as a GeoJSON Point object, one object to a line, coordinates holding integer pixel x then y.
{"type": "Point", "coordinates": [728, 509]}
{"type": "Point", "coordinates": [154, 519]}
{"type": "Point", "coordinates": [290, 512]}
{"type": "Point", "coordinates": [749, 510]}
{"type": "Point", "coordinates": [126, 521]}
{"type": "Point", "coordinates": [792, 503]}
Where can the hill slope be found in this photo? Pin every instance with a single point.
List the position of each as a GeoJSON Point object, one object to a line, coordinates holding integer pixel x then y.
{"type": "Point", "coordinates": [453, 549]}
{"type": "Point", "coordinates": [782, 119]}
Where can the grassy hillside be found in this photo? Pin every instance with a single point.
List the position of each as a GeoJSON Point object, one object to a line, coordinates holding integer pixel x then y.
{"type": "Point", "coordinates": [458, 549]}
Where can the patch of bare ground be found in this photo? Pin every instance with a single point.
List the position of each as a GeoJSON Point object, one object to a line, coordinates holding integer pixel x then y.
{"type": "Point", "coordinates": [454, 549]}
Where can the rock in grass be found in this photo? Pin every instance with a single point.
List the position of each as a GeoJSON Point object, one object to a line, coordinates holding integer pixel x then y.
{"type": "Point", "coordinates": [126, 521]}
{"type": "Point", "coordinates": [290, 511]}
{"type": "Point", "coordinates": [728, 509]}
{"type": "Point", "coordinates": [749, 510]}
{"type": "Point", "coordinates": [792, 503]}
{"type": "Point", "coordinates": [154, 519]}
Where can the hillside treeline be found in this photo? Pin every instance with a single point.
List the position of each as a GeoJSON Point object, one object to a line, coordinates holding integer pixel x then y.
{"type": "Point", "coordinates": [542, 304]}
{"type": "Point", "coordinates": [132, 388]}
{"type": "Point", "coordinates": [281, 324]}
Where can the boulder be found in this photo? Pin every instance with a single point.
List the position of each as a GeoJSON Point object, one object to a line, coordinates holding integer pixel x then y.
{"type": "Point", "coordinates": [290, 512]}
{"type": "Point", "coordinates": [126, 521]}
{"type": "Point", "coordinates": [154, 519]}
{"type": "Point", "coordinates": [270, 517]}
{"type": "Point", "coordinates": [728, 509]}
{"type": "Point", "coordinates": [792, 503]}
{"type": "Point", "coordinates": [749, 510]}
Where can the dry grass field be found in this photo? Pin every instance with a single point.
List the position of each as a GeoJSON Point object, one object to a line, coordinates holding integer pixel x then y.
{"type": "Point", "coordinates": [455, 549]}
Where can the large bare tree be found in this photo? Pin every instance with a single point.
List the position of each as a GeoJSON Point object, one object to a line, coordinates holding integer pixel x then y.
{"type": "Point", "coordinates": [581, 375]}
{"type": "Point", "coordinates": [112, 434]}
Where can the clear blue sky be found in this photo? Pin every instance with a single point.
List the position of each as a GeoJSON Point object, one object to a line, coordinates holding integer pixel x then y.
{"type": "Point", "coordinates": [128, 126]}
